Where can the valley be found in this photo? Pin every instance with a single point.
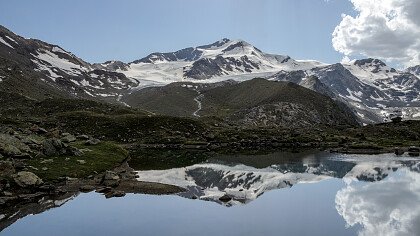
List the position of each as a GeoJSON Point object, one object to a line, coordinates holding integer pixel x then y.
{"type": "Point", "coordinates": [69, 126]}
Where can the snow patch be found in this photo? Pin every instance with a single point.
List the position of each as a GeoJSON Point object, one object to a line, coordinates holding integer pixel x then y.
{"type": "Point", "coordinates": [5, 43]}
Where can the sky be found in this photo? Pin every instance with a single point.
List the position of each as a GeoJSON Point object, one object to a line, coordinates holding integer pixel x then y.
{"type": "Point", "coordinates": [127, 30]}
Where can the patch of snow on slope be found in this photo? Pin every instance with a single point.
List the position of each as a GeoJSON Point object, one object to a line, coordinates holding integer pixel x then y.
{"type": "Point", "coordinates": [5, 43]}
{"type": "Point", "coordinates": [61, 63]}
{"type": "Point", "coordinates": [246, 183]}
{"type": "Point", "coordinates": [11, 39]}
{"type": "Point", "coordinates": [42, 67]}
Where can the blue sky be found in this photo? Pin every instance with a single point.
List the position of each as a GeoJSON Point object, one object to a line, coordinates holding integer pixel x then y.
{"type": "Point", "coordinates": [127, 30]}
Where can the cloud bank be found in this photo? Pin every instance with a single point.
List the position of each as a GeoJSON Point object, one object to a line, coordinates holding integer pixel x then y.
{"type": "Point", "coordinates": [384, 29]}
{"type": "Point", "coordinates": [390, 207]}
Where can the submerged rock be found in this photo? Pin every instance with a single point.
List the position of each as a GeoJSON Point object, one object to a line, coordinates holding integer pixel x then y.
{"type": "Point", "coordinates": [27, 179]}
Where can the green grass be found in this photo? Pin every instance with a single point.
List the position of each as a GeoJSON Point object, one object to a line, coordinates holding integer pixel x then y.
{"type": "Point", "coordinates": [102, 157]}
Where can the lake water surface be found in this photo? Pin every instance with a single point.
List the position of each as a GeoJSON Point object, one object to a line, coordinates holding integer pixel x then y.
{"type": "Point", "coordinates": [273, 194]}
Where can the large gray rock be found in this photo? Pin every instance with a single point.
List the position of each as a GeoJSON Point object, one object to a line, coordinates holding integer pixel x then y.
{"type": "Point", "coordinates": [68, 138]}
{"type": "Point", "coordinates": [27, 179]}
{"type": "Point", "coordinates": [12, 147]}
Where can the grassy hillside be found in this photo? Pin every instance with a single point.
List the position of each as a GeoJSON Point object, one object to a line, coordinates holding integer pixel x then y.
{"type": "Point", "coordinates": [256, 102]}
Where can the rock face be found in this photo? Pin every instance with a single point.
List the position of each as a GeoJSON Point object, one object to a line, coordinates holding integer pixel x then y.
{"type": "Point", "coordinates": [27, 179]}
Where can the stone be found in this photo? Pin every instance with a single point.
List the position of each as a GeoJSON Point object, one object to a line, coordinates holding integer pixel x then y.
{"type": "Point", "coordinates": [27, 179]}
{"type": "Point", "coordinates": [115, 194]}
{"type": "Point", "coordinates": [399, 151]}
{"type": "Point", "coordinates": [47, 188]}
{"type": "Point", "coordinates": [92, 142]}
{"type": "Point", "coordinates": [42, 131]}
{"type": "Point", "coordinates": [103, 190]}
{"type": "Point", "coordinates": [48, 147]}
{"type": "Point", "coordinates": [74, 151]}
{"type": "Point", "coordinates": [68, 139]}
{"type": "Point", "coordinates": [82, 162]}
{"type": "Point", "coordinates": [82, 137]}
{"type": "Point", "coordinates": [111, 179]}
{"type": "Point", "coordinates": [110, 175]}
{"type": "Point", "coordinates": [86, 188]}
{"type": "Point", "coordinates": [11, 151]}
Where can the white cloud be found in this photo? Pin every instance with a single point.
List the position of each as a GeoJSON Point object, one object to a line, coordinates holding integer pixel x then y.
{"type": "Point", "coordinates": [385, 29]}
{"type": "Point", "coordinates": [389, 207]}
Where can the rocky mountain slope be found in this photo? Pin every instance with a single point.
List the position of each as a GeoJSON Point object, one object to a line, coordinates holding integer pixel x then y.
{"type": "Point", "coordinates": [41, 70]}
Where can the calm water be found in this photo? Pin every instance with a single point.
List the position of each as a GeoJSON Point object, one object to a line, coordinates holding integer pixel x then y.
{"type": "Point", "coordinates": [275, 194]}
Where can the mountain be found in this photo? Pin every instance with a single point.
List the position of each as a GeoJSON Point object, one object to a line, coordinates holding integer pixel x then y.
{"type": "Point", "coordinates": [243, 183]}
{"type": "Point", "coordinates": [40, 70]}
{"type": "Point", "coordinates": [370, 87]}
{"type": "Point", "coordinates": [256, 102]}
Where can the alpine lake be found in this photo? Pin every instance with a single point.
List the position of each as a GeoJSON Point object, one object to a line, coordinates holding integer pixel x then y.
{"type": "Point", "coordinates": [282, 193]}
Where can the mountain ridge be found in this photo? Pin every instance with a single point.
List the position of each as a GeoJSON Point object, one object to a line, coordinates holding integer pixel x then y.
{"type": "Point", "coordinates": [371, 88]}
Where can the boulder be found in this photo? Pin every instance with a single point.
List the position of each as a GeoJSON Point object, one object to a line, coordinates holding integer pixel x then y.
{"type": "Point", "coordinates": [111, 175]}
{"type": "Point", "coordinates": [38, 130]}
{"type": "Point", "coordinates": [12, 147]}
{"type": "Point", "coordinates": [68, 138]}
{"type": "Point", "coordinates": [82, 137]}
{"type": "Point", "coordinates": [50, 147]}
{"type": "Point", "coordinates": [111, 179]}
{"type": "Point", "coordinates": [27, 179]}
{"type": "Point", "coordinates": [92, 142]}
{"type": "Point", "coordinates": [10, 150]}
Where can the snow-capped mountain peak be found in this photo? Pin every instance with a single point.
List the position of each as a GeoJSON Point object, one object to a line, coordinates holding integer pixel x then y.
{"type": "Point", "coordinates": [414, 70]}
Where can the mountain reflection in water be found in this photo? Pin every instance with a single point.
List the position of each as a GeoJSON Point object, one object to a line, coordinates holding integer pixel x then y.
{"type": "Point", "coordinates": [243, 183]}
{"type": "Point", "coordinates": [320, 194]}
